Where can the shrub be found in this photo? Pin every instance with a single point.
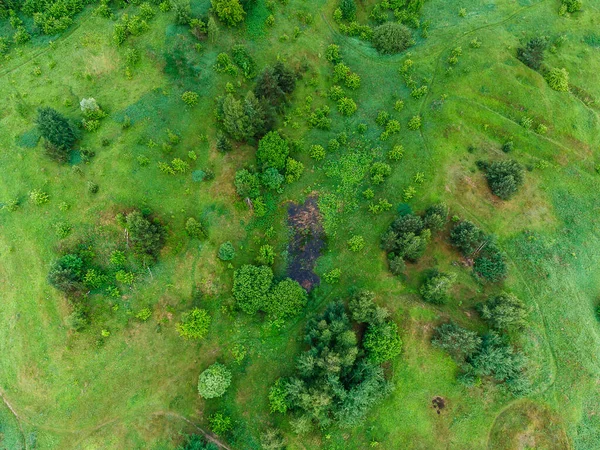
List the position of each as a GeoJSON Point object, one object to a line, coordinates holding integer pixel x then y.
{"type": "Point", "coordinates": [558, 79]}
{"type": "Point", "coordinates": [244, 61]}
{"type": "Point", "coordinates": [286, 299]}
{"type": "Point", "coordinates": [266, 255]}
{"type": "Point", "coordinates": [333, 276]}
{"type": "Point", "coordinates": [220, 423]}
{"type": "Point", "coordinates": [229, 11]}
{"type": "Point", "coordinates": [214, 381]}
{"type": "Point", "coordinates": [317, 152]}
{"type": "Point", "coordinates": [382, 342]}
{"type": "Point", "coordinates": [396, 153]}
{"type": "Point", "coordinates": [458, 342]}
{"type": "Point", "coordinates": [194, 324]}
{"type": "Point", "coordinates": [332, 54]}
{"type": "Point", "coordinates": [505, 178]}
{"type": "Point", "coordinates": [226, 251]}
{"type": "Point", "coordinates": [58, 134]}
{"type": "Point", "coordinates": [436, 287]}
{"type": "Point", "coordinates": [194, 229]}
{"type": "Point", "coordinates": [356, 243]}
{"type": "Point", "coordinates": [277, 397]}
{"type": "Point", "coordinates": [414, 123]}
{"type": "Point", "coordinates": [39, 197]}
{"type": "Point", "coordinates": [190, 98]}
{"type": "Point", "coordinates": [346, 106]}
{"type": "Point", "coordinates": [251, 285]}
{"type": "Point", "coordinates": [124, 277]}
{"type": "Point", "coordinates": [391, 38]}
{"type": "Point", "coordinates": [272, 151]}
{"type": "Point", "coordinates": [379, 171]}
{"type": "Point", "coordinates": [93, 279]}
{"type": "Point", "coordinates": [293, 170]}
{"type": "Point", "coordinates": [504, 311]}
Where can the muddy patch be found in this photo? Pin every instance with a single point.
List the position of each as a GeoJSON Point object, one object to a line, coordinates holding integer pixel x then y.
{"type": "Point", "coordinates": [438, 404]}
{"type": "Point", "coordinates": [306, 243]}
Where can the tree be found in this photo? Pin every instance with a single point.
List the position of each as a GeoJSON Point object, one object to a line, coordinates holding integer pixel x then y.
{"type": "Point", "coordinates": [458, 342]}
{"type": "Point", "coordinates": [229, 11]}
{"type": "Point", "coordinates": [391, 37]}
{"type": "Point", "coordinates": [251, 285]}
{"type": "Point", "coordinates": [491, 264]}
{"type": "Point", "coordinates": [467, 237]}
{"type": "Point", "coordinates": [226, 251]}
{"type": "Point", "coordinates": [272, 151]}
{"type": "Point", "coordinates": [497, 358]}
{"type": "Point", "coordinates": [147, 237]}
{"type": "Point", "coordinates": [504, 311]}
{"type": "Point", "coordinates": [272, 439]}
{"type": "Point", "coordinates": [58, 133]}
{"type": "Point", "coordinates": [286, 299]}
{"type": "Point", "coordinates": [194, 229]}
{"type": "Point", "coordinates": [273, 84]}
{"type": "Point", "coordinates": [197, 442]}
{"type": "Point", "coordinates": [348, 8]}
{"type": "Point", "coordinates": [66, 274]}
{"type": "Point", "coordinates": [532, 55]}
{"type": "Point", "coordinates": [382, 342]}
{"type": "Point", "coordinates": [214, 381]}
{"type": "Point", "coordinates": [436, 287]}
{"type": "Point", "coordinates": [272, 179]}
{"type": "Point", "coordinates": [247, 184]}
{"type": "Point", "coordinates": [435, 217]}
{"type": "Point", "coordinates": [212, 30]}
{"type": "Point", "coordinates": [364, 309]}
{"type": "Point", "coordinates": [194, 324]}
{"type": "Point", "coordinates": [505, 177]}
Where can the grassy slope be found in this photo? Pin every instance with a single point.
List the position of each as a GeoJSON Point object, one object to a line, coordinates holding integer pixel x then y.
{"type": "Point", "coordinates": [73, 394]}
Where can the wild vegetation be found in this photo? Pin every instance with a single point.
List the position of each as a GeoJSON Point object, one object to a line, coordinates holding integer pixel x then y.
{"type": "Point", "coordinates": [274, 224]}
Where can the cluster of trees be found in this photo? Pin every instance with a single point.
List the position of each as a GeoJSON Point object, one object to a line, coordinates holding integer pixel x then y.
{"type": "Point", "coordinates": [504, 177]}
{"type": "Point", "coordinates": [490, 355]}
{"type": "Point", "coordinates": [254, 115]}
{"type": "Point", "coordinates": [489, 262]}
{"type": "Point", "coordinates": [255, 290]}
{"type": "Point", "coordinates": [532, 55]}
{"type": "Point", "coordinates": [339, 379]}
{"type": "Point", "coordinates": [408, 236]}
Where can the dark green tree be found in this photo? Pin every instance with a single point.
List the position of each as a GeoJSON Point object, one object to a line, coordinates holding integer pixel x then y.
{"type": "Point", "coordinates": [251, 286]}
{"type": "Point", "coordinates": [147, 235]}
{"type": "Point", "coordinates": [505, 178]}
{"type": "Point", "coordinates": [504, 311]}
{"type": "Point", "coordinates": [458, 342]}
{"type": "Point", "coordinates": [467, 237]}
{"type": "Point", "coordinates": [66, 274]}
{"type": "Point", "coordinates": [391, 37]}
{"type": "Point", "coordinates": [58, 133]}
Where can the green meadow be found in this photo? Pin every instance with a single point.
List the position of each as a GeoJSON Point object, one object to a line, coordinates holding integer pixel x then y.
{"type": "Point", "coordinates": [128, 380]}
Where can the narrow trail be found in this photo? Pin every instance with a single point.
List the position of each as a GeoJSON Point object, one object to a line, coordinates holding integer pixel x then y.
{"type": "Point", "coordinates": [17, 418]}
{"type": "Point", "coordinates": [209, 436]}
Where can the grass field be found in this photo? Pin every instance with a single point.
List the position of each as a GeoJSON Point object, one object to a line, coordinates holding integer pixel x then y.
{"type": "Point", "coordinates": [124, 383]}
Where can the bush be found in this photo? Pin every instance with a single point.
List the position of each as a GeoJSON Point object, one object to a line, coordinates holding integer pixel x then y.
{"type": "Point", "coordinates": [220, 423]}
{"type": "Point", "coordinates": [293, 170]}
{"type": "Point", "coordinates": [277, 397]}
{"type": "Point", "coordinates": [505, 178]}
{"type": "Point", "coordinates": [194, 229]}
{"type": "Point", "coordinates": [266, 255]}
{"type": "Point", "coordinates": [504, 311]}
{"type": "Point", "coordinates": [348, 8]}
{"type": "Point", "coordinates": [558, 79]}
{"type": "Point", "coordinates": [286, 299]}
{"type": "Point", "coordinates": [379, 171]}
{"type": "Point", "coordinates": [229, 11]}
{"type": "Point", "coordinates": [214, 381]}
{"type": "Point", "coordinates": [194, 324]}
{"type": "Point", "coordinates": [414, 123]}
{"type": "Point", "coordinates": [39, 197]}
{"type": "Point", "coordinates": [58, 134]}
{"type": "Point", "coordinates": [190, 98]}
{"type": "Point", "coordinates": [251, 285]}
{"type": "Point", "coordinates": [226, 251]}
{"type": "Point", "coordinates": [382, 342]}
{"type": "Point", "coordinates": [391, 37]}
{"type": "Point", "coordinates": [346, 106]}
{"type": "Point", "coordinates": [317, 152]}
{"type": "Point", "coordinates": [436, 287]}
{"type": "Point", "coordinates": [356, 243]}
{"type": "Point", "coordinates": [272, 151]}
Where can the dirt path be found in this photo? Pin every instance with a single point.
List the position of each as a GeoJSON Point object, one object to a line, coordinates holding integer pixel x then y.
{"type": "Point", "coordinates": [17, 418]}
{"type": "Point", "coordinates": [209, 436]}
